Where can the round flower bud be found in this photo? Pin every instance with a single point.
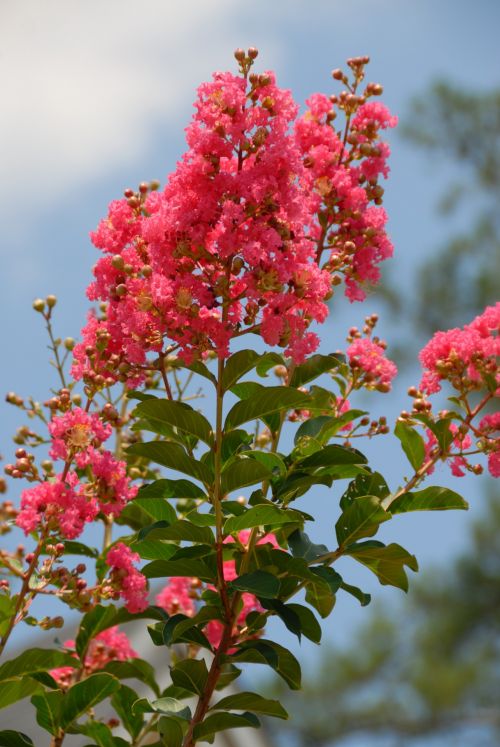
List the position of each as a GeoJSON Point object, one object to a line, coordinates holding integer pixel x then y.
{"type": "Point", "coordinates": [51, 301]}
{"type": "Point", "coordinates": [39, 304]}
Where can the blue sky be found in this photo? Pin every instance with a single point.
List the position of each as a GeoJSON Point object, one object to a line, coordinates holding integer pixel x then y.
{"type": "Point", "coordinates": [95, 98]}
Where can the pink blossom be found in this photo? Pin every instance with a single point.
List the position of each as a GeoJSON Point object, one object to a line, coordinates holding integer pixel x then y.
{"type": "Point", "coordinates": [109, 645]}
{"type": "Point", "coordinates": [126, 579]}
{"type": "Point", "coordinates": [75, 431]}
{"type": "Point", "coordinates": [176, 596]}
{"type": "Point", "coordinates": [59, 505]}
{"type": "Point", "coordinates": [463, 356]}
{"type": "Point", "coordinates": [489, 425]}
{"type": "Point", "coordinates": [368, 357]}
{"type": "Point", "coordinates": [456, 462]}
{"type": "Point", "coordinates": [111, 485]}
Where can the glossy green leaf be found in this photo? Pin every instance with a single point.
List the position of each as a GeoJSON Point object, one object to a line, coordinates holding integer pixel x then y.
{"type": "Point", "coordinates": [237, 366]}
{"type": "Point", "coordinates": [166, 706]}
{"type": "Point", "coordinates": [260, 583]}
{"type": "Point", "coordinates": [14, 689]}
{"type": "Point", "coordinates": [79, 548]}
{"type": "Point", "coordinates": [10, 738]}
{"type": "Point", "coordinates": [332, 455]}
{"type": "Point", "coordinates": [320, 592]}
{"type": "Point", "coordinates": [360, 519]}
{"type": "Point", "coordinates": [171, 731]}
{"type": "Point", "coordinates": [252, 702]}
{"type": "Point", "coordinates": [273, 462]}
{"type": "Point", "coordinates": [48, 710]}
{"type": "Point", "coordinates": [154, 549]}
{"type": "Point", "coordinates": [165, 488]}
{"type": "Point", "coordinates": [387, 563]}
{"type": "Point", "coordinates": [103, 617]}
{"type": "Point", "coordinates": [122, 701]}
{"type": "Point", "coordinates": [302, 547]}
{"type": "Point", "coordinates": [221, 721]}
{"type": "Point", "coordinates": [370, 484]}
{"type": "Point", "coordinates": [190, 674]}
{"type": "Point", "coordinates": [84, 695]}
{"type": "Point", "coordinates": [34, 660]}
{"type": "Point", "coordinates": [173, 456]}
{"type": "Point", "coordinates": [264, 402]}
{"type": "Point", "coordinates": [430, 499]}
{"type": "Point", "coordinates": [363, 598]}
{"type": "Point", "coordinates": [412, 444]}
{"type": "Point", "coordinates": [285, 613]}
{"type": "Point", "coordinates": [165, 568]}
{"type": "Point", "coordinates": [177, 414]}
{"type": "Point", "coordinates": [314, 366]}
{"type": "Point", "coordinates": [179, 531]}
{"type": "Point", "coordinates": [262, 515]}
{"type": "Point", "coordinates": [309, 625]}
{"type": "Point", "coordinates": [277, 657]}
{"type": "Point", "coordinates": [243, 472]}
{"type": "Point", "coordinates": [138, 669]}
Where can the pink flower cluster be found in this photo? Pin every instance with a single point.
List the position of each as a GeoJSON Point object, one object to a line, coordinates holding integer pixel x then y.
{"type": "Point", "coordinates": [232, 243]}
{"type": "Point", "coordinates": [74, 431]}
{"type": "Point", "coordinates": [125, 579]}
{"type": "Point", "coordinates": [465, 357]}
{"type": "Point", "coordinates": [59, 505]}
{"type": "Point", "coordinates": [367, 359]}
{"type": "Point", "coordinates": [489, 426]}
{"type": "Point", "coordinates": [342, 179]}
{"type": "Point", "coordinates": [177, 596]}
{"type": "Point", "coordinates": [109, 645]}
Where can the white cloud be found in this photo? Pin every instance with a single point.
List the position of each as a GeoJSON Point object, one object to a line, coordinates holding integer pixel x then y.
{"type": "Point", "coordinates": [84, 83]}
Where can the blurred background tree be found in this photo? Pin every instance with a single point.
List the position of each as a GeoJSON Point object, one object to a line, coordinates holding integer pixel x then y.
{"type": "Point", "coordinates": [462, 275]}
{"type": "Point", "coordinates": [429, 672]}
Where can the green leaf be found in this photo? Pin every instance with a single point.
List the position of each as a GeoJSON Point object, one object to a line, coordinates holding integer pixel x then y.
{"type": "Point", "coordinates": [430, 499]}
{"type": "Point", "coordinates": [138, 669]}
{"type": "Point", "coordinates": [285, 613]}
{"type": "Point", "coordinates": [84, 695]}
{"type": "Point", "coordinates": [9, 738]}
{"type": "Point", "coordinates": [370, 484]}
{"type": "Point", "coordinates": [320, 592]}
{"type": "Point", "coordinates": [260, 583]}
{"type": "Point", "coordinates": [222, 721]}
{"type": "Point", "coordinates": [173, 456]}
{"type": "Point", "coordinates": [332, 455]}
{"type": "Point", "coordinates": [252, 702]}
{"type": "Point", "coordinates": [154, 549]}
{"type": "Point", "coordinates": [12, 690]}
{"type": "Point", "coordinates": [302, 547]}
{"type": "Point", "coordinates": [387, 563]}
{"type": "Point", "coordinates": [190, 674]}
{"type": "Point", "coordinates": [277, 657]}
{"type": "Point", "coordinates": [354, 591]}
{"type": "Point", "coordinates": [171, 731]}
{"type": "Point", "coordinates": [100, 733]}
{"type": "Point", "coordinates": [229, 674]}
{"type": "Point", "coordinates": [264, 402]}
{"type": "Point", "coordinates": [262, 515]}
{"type": "Point", "coordinates": [314, 366]}
{"type": "Point", "coordinates": [140, 511]}
{"type": "Point", "coordinates": [101, 618]}
{"type": "Point", "coordinates": [360, 519]}
{"type": "Point", "coordinates": [167, 489]}
{"type": "Point", "coordinates": [243, 472]}
{"type": "Point", "coordinates": [199, 368]}
{"type": "Point", "coordinates": [309, 626]}
{"type": "Point", "coordinates": [48, 710]}
{"type": "Point", "coordinates": [273, 462]}
{"type": "Point", "coordinates": [122, 701]}
{"type": "Point", "coordinates": [35, 660]}
{"type": "Point", "coordinates": [412, 443]}
{"type": "Point", "coordinates": [178, 414]}
{"type": "Point", "coordinates": [165, 706]}
{"type": "Point", "coordinates": [165, 568]}
{"type": "Point", "coordinates": [7, 609]}
{"type": "Point", "coordinates": [237, 366]}
{"type": "Point", "coordinates": [179, 531]}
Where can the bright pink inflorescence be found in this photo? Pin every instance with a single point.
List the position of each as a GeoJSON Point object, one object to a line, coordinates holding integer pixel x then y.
{"type": "Point", "coordinates": [367, 359]}
{"type": "Point", "coordinates": [126, 579]}
{"type": "Point", "coordinates": [74, 431]}
{"type": "Point", "coordinates": [456, 462]}
{"type": "Point", "coordinates": [177, 596]}
{"type": "Point", "coordinates": [232, 242]}
{"type": "Point", "coordinates": [465, 357]}
{"type": "Point", "coordinates": [109, 645]}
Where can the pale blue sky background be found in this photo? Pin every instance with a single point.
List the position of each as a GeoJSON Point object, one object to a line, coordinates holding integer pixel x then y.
{"type": "Point", "coordinates": [95, 98]}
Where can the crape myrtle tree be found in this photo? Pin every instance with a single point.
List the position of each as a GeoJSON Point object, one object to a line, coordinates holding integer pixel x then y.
{"type": "Point", "coordinates": [266, 215]}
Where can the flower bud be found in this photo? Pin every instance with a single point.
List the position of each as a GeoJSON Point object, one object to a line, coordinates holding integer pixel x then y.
{"type": "Point", "coordinates": [39, 305]}
{"type": "Point", "coordinates": [51, 301]}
